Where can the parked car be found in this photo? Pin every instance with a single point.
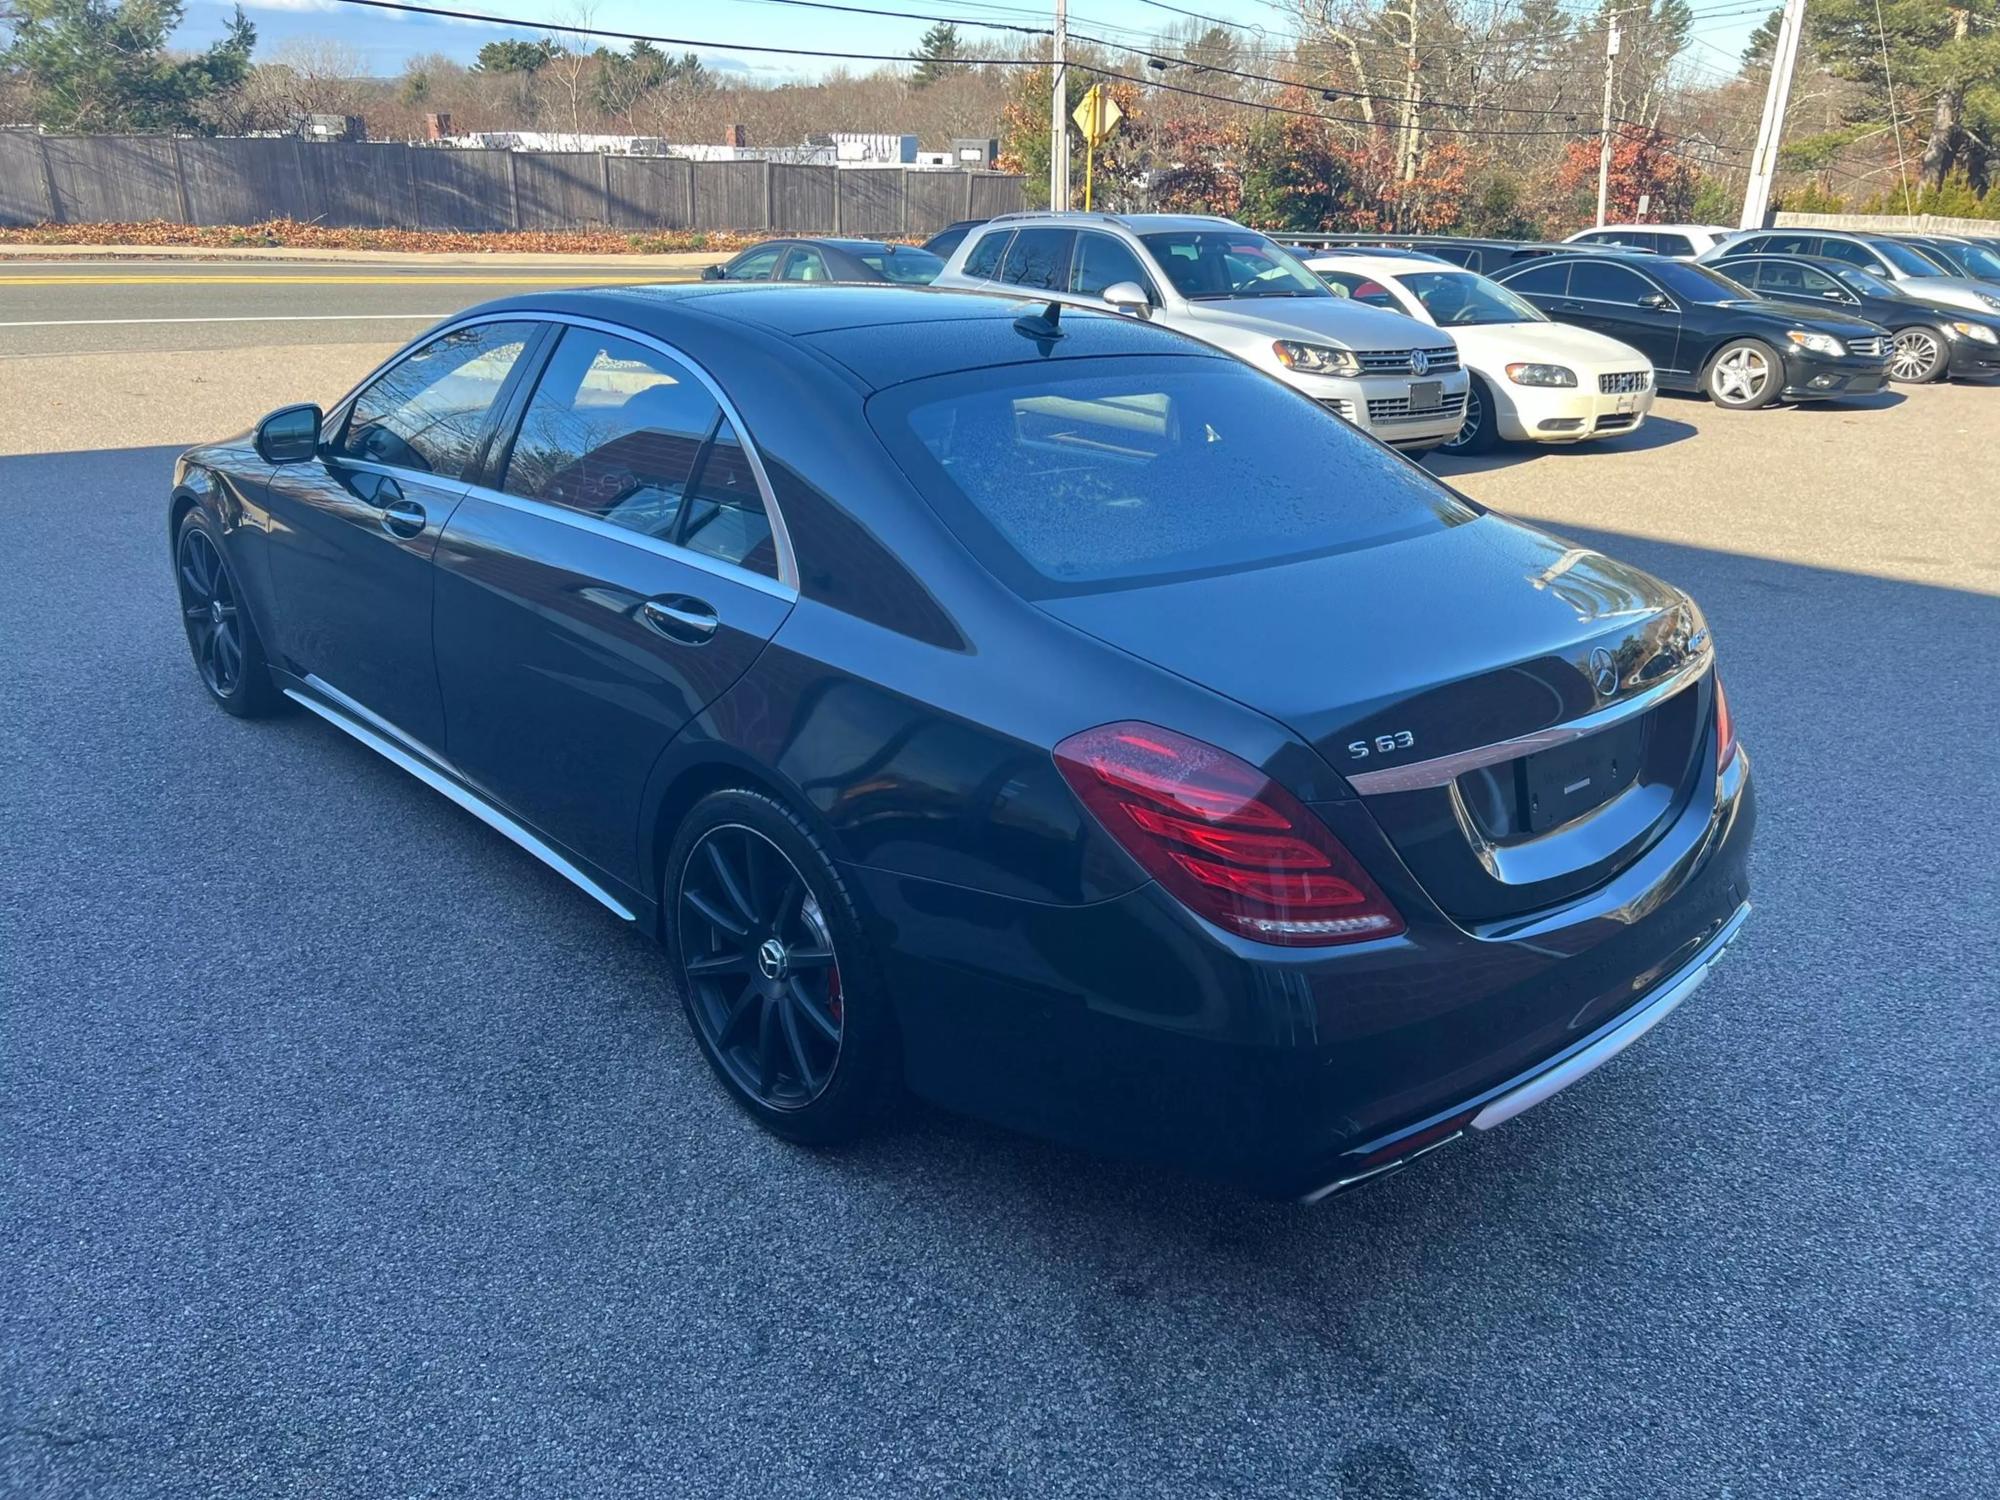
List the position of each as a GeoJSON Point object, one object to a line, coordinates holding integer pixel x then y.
{"type": "Point", "coordinates": [949, 238]}
{"type": "Point", "coordinates": [1681, 241]}
{"type": "Point", "coordinates": [1241, 291]}
{"type": "Point", "coordinates": [830, 260]}
{"type": "Point", "coordinates": [1051, 714]}
{"type": "Point", "coordinates": [1485, 256]}
{"type": "Point", "coordinates": [1955, 255]}
{"type": "Point", "coordinates": [1885, 255]}
{"type": "Point", "coordinates": [1704, 332]}
{"type": "Point", "coordinates": [1533, 380]}
{"type": "Point", "coordinates": [1931, 339]}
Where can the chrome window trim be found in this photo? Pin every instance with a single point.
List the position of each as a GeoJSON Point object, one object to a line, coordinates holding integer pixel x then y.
{"type": "Point", "coordinates": [583, 521]}
{"type": "Point", "coordinates": [786, 585]}
{"type": "Point", "coordinates": [1444, 769]}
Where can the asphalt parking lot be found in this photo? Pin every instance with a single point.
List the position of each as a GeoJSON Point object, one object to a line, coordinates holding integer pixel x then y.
{"type": "Point", "coordinates": [347, 1151]}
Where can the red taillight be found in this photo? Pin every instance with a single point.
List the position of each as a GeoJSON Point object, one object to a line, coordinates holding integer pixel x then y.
{"type": "Point", "coordinates": [1225, 839]}
{"type": "Point", "coordinates": [1725, 728]}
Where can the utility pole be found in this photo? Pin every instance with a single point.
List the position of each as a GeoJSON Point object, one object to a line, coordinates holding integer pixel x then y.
{"type": "Point", "coordinates": [1059, 112]}
{"type": "Point", "coordinates": [1770, 131]}
{"type": "Point", "coordinates": [1604, 148]}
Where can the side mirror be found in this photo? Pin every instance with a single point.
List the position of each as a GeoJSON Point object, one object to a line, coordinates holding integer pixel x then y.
{"type": "Point", "coordinates": [1130, 297]}
{"type": "Point", "coordinates": [711, 273]}
{"type": "Point", "coordinates": [1655, 301]}
{"type": "Point", "coordinates": [290, 435]}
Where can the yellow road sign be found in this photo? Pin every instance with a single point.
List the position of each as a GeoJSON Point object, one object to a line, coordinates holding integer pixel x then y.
{"type": "Point", "coordinates": [1098, 115]}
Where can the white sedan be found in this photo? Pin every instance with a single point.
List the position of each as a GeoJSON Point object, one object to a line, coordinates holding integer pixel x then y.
{"type": "Point", "coordinates": [1533, 380]}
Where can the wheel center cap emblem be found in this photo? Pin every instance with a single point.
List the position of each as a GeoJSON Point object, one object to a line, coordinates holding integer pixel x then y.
{"type": "Point", "coordinates": [215, 610]}
{"type": "Point", "coordinates": [773, 961]}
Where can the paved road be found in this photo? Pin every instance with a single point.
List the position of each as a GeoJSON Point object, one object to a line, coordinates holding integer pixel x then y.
{"type": "Point", "coordinates": [75, 307]}
{"type": "Point", "coordinates": [347, 1151]}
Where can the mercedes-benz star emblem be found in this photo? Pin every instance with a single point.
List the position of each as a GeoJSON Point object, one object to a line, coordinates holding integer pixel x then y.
{"type": "Point", "coordinates": [1603, 672]}
{"type": "Point", "coordinates": [773, 960]}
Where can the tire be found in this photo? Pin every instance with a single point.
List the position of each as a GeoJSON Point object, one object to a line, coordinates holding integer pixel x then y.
{"type": "Point", "coordinates": [1745, 374]}
{"type": "Point", "coordinates": [228, 654]}
{"type": "Point", "coordinates": [1919, 357]}
{"type": "Point", "coordinates": [773, 969]}
{"type": "Point", "coordinates": [1480, 432]}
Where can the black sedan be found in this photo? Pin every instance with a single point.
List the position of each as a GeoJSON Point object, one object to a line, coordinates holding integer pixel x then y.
{"type": "Point", "coordinates": [830, 260]}
{"type": "Point", "coordinates": [1931, 339]}
{"type": "Point", "coordinates": [1054, 717]}
{"type": "Point", "coordinates": [1705, 332]}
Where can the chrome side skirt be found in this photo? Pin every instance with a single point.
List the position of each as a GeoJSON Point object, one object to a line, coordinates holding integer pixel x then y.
{"type": "Point", "coordinates": [334, 709]}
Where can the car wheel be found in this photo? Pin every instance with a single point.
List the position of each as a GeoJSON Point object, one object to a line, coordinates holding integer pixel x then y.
{"type": "Point", "coordinates": [1479, 433]}
{"type": "Point", "coordinates": [1919, 358]}
{"type": "Point", "coordinates": [1745, 374]}
{"type": "Point", "coordinates": [769, 957]}
{"type": "Point", "coordinates": [220, 632]}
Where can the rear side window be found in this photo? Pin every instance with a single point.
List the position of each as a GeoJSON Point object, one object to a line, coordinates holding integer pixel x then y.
{"type": "Point", "coordinates": [1540, 281]}
{"type": "Point", "coordinates": [427, 411]}
{"type": "Point", "coordinates": [1101, 262]}
{"type": "Point", "coordinates": [1605, 283]}
{"type": "Point", "coordinates": [1039, 258]}
{"type": "Point", "coordinates": [623, 433]}
{"type": "Point", "coordinates": [1848, 251]}
{"type": "Point", "coordinates": [984, 260]}
{"type": "Point", "coordinates": [1673, 244]}
{"type": "Point", "coordinates": [1082, 476]}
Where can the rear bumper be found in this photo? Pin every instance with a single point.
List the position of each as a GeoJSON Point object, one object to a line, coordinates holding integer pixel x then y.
{"type": "Point", "coordinates": [1130, 1028]}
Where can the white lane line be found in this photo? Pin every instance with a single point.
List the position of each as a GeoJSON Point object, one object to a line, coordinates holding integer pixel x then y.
{"type": "Point", "coordinates": [274, 318]}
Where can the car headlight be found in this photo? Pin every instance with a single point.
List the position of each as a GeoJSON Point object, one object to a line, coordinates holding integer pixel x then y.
{"type": "Point", "coordinates": [1978, 331]}
{"type": "Point", "coordinates": [1818, 343]}
{"type": "Point", "coordinates": [1541, 375]}
{"type": "Point", "coordinates": [1316, 359]}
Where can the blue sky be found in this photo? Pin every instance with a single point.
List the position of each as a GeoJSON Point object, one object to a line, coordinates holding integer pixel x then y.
{"type": "Point", "coordinates": [386, 39]}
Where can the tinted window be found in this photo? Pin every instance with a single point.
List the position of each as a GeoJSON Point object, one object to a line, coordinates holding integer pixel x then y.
{"type": "Point", "coordinates": [946, 241]}
{"type": "Point", "coordinates": [1902, 257]}
{"type": "Point", "coordinates": [614, 430]}
{"type": "Point", "coordinates": [725, 516]}
{"type": "Point", "coordinates": [1673, 244]}
{"type": "Point", "coordinates": [427, 413]}
{"type": "Point", "coordinates": [1090, 474]}
{"type": "Point", "coordinates": [1606, 283]}
{"type": "Point", "coordinates": [1693, 283]}
{"type": "Point", "coordinates": [1102, 261]}
{"type": "Point", "coordinates": [806, 265]}
{"type": "Point", "coordinates": [984, 261]}
{"type": "Point", "coordinates": [1039, 258]}
{"type": "Point", "coordinates": [754, 265]}
{"type": "Point", "coordinates": [1853, 254]}
{"type": "Point", "coordinates": [1790, 279]}
{"type": "Point", "coordinates": [903, 263]}
{"type": "Point", "coordinates": [1358, 288]}
{"type": "Point", "coordinates": [1539, 281]}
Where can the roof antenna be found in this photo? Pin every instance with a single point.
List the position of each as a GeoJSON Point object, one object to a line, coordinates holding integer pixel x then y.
{"type": "Point", "coordinates": [1044, 326]}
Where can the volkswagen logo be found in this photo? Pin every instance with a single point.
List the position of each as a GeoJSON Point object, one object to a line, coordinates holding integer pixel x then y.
{"type": "Point", "coordinates": [1603, 672]}
{"type": "Point", "coordinates": [1420, 362]}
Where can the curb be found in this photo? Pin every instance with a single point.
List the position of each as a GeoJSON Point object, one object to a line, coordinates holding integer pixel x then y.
{"type": "Point", "coordinates": [675, 260]}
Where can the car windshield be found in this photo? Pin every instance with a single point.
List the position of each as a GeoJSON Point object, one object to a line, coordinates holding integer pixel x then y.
{"type": "Point", "coordinates": [1867, 282]}
{"type": "Point", "coordinates": [902, 263]}
{"type": "Point", "coordinates": [1213, 265]}
{"type": "Point", "coordinates": [1977, 261]}
{"type": "Point", "coordinates": [1460, 299]}
{"type": "Point", "coordinates": [1904, 259]}
{"type": "Point", "coordinates": [1697, 283]}
{"type": "Point", "coordinates": [1081, 476]}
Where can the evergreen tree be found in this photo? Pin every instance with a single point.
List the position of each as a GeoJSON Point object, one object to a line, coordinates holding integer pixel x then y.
{"type": "Point", "coordinates": [99, 66]}
{"type": "Point", "coordinates": [937, 56]}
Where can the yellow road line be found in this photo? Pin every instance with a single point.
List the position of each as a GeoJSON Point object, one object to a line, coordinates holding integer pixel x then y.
{"type": "Point", "coordinates": [416, 280]}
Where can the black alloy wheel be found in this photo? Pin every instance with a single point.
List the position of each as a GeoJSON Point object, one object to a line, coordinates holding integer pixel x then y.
{"type": "Point", "coordinates": [220, 632]}
{"type": "Point", "coordinates": [763, 976]}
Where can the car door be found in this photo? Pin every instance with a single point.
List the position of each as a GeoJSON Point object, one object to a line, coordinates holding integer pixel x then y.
{"type": "Point", "coordinates": [353, 530]}
{"type": "Point", "coordinates": [617, 571]}
{"type": "Point", "coordinates": [1038, 260]}
{"type": "Point", "coordinates": [1617, 301]}
{"type": "Point", "coordinates": [1101, 261]}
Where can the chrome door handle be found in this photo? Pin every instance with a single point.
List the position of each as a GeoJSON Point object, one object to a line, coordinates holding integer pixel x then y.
{"type": "Point", "coordinates": [402, 517]}
{"type": "Point", "coordinates": [681, 618]}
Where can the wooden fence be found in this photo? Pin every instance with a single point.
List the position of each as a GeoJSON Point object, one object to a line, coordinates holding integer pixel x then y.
{"type": "Point", "coordinates": [134, 179]}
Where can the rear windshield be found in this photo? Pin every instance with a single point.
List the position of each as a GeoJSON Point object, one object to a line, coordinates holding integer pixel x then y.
{"type": "Point", "coordinates": [1084, 475]}
{"type": "Point", "coordinates": [902, 263]}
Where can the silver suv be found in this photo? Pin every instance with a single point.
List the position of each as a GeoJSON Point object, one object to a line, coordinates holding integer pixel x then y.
{"type": "Point", "coordinates": [1231, 287]}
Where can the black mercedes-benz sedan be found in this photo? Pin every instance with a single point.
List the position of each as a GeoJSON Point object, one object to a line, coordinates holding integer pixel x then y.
{"type": "Point", "coordinates": [1707, 333]}
{"type": "Point", "coordinates": [1036, 709]}
{"type": "Point", "coordinates": [830, 260]}
{"type": "Point", "coordinates": [1930, 340]}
